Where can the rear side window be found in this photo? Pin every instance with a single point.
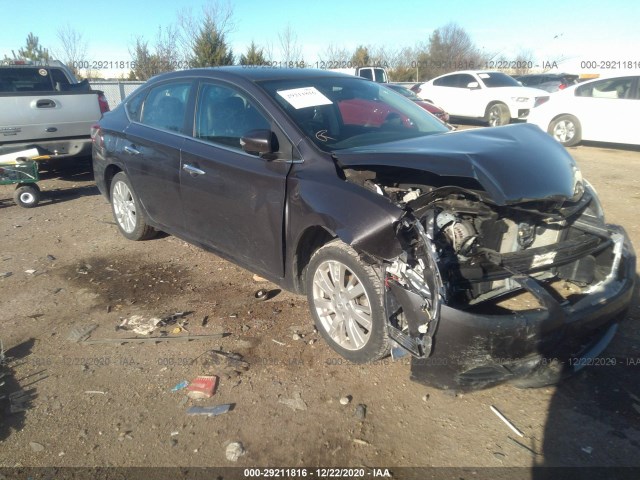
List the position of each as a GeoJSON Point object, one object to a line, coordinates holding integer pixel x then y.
{"type": "Point", "coordinates": [166, 105]}
{"type": "Point", "coordinates": [448, 81]}
{"type": "Point", "coordinates": [366, 73]}
{"type": "Point", "coordinates": [34, 79]}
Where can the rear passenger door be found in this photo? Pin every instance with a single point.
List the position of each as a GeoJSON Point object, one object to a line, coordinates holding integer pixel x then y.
{"type": "Point", "coordinates": [234, 201]}
{"type": "Point", "coordinates": [151, 149]}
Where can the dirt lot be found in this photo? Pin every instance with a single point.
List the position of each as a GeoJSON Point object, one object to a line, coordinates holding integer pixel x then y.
{"type": "Point", "coordinates": [112, 404]}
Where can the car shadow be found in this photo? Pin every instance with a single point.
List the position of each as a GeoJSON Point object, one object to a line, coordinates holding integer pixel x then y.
{"type": "Point", "coordinates": [593, 423]}
{"type": "Point", "coordinates": [16, 395]}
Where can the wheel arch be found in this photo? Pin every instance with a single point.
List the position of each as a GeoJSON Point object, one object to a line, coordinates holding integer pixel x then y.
{"type": "Point", "coordinates": [109, 172]}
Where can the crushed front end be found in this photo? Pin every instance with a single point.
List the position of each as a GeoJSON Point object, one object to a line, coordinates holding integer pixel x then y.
{"type": "Point", "coordinates": [485, 294]}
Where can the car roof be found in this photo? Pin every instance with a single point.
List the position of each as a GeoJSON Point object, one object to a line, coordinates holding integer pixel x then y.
{"type": "Point", "coordinates": [254, 73]}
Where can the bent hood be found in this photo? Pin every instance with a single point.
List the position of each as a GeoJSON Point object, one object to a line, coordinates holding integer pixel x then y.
{"type": "Point", "coordinates": [513, 164]}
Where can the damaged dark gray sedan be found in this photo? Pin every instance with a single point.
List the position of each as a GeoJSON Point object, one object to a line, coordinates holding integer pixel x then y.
{"type": "Point", "coordinates": [481, 253]}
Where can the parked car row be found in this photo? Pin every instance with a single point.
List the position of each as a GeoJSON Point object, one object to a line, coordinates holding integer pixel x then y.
{"type": "Point", "coordinates": [404, 235]}
{"type": "Point", "coordinates": [599, 110]}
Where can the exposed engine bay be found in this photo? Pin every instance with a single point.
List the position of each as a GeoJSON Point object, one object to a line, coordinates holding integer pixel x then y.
{"type": "Point", "coordinates": [462, 250]}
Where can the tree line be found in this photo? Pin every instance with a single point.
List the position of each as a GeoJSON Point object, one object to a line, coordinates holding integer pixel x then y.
{"type": "Point", "coordinates": [202, 40]}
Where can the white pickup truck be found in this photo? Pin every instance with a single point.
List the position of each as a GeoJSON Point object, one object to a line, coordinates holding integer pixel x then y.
{"type": "Point", "coordinates": [43, 106]}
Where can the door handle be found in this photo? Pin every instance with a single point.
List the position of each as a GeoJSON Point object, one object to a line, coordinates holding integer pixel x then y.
{"type": "Point", "coordinates": [45, 103]}
{"type": "Point", "coordinates": [131, 151]}
{"type": "Point", "coordinates": [193, 171]}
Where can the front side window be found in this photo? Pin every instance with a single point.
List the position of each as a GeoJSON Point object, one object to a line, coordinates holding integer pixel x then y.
{"type": "Point", "coordinates": [224, 115]}
{"type": "Point", "coordinates": [165, 106]}
{"type": "Point", "coordinates": [609, 88]}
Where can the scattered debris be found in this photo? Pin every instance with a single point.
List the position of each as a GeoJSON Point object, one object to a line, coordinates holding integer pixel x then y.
{"type": "Point", "coordinates": [360, 442]}
{"type": "Point", "coordinates": [523, 446]}
{"type": "Point", "coordinates": [205, 320]}
{"type": "Point", "coordinates": [296, 336]}
{"type": "Point", "coordinates": [295, 403]}
{"type": "Point", "coordinates": [312, 341]}
{"type": "Point", "coordinates": [30, 271]}
{"type": "Point", "coordinates": [184, 338]}
{"type": "Point", "coordinates": [425, 397]}
{"type": "Point", "coordinates": [279, 343]}
{"type": "Point", "coordinates": [232, 362]}
{"type": "Point", "coordinates": [95, 392]}
{"type": "Point", "coordinates": [137, 324]}
{"type": "Point", "coordinates": [82, 332]}
{"type": "Point", "coordinates": [345, 400]}
{"type": "Point", "coordinates": [141, 326]}
{"type": "Point", "coordinates": [51, 258]}
{"type": "Point", "coordinates": [587, 450]}
{"type": "Point", "coordinates": [36, 447]}
{"type": "Point", "coordinates": [261, 294]}
{"type": "Point", "coordinates": [506, 421]}
{"type": "Point", "coordinates": [175, 433]}
{"type": "Point", "coordinates": [361, 411]}
{"type": "Point", "coordinates": [499, 455]}
{"type": "Point", "coordinates": [84, 269]}
{"type": "Point", "coordinates": [202, 387]}
{"type": "Point", "coordinates": [125, 435]}
{"type": "Point", "coordinates": [258, 278]}
{"type": "Point", "coordinates": [234, 451]}
{"type": "Point", "coordinates": [173, 442]}
{"type": "Point", "coordinates": [211, 411]}
{"type": "Point", "coordinates": [180, 386]}
{"type": "Point", "coordinates": [5, 274]}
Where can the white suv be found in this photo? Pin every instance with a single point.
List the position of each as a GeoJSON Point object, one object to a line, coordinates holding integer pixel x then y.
{"type": "Point", "coordinates": [493, 96]}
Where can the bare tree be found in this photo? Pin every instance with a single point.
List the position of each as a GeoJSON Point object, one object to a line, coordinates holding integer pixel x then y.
{"type": "Point", "coordinates": [73, 48]}
{"type": "Point", "coordinates": [450, 49]}
{"type": "Point", "coordinates": [290, 49]}
{"type": "Point", "coordinates": [334, 56]}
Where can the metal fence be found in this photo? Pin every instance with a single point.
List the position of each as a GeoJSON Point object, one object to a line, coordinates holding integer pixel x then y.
{"type": "Point", "coordinates": [115, 91]}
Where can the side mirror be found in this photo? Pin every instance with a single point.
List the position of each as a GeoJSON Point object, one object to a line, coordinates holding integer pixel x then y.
{"type": "Point", "coordinates": [473, 85]}
{"type": "Point", "coordinates": [260, 142]}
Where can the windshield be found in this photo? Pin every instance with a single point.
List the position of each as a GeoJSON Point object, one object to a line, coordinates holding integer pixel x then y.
{"type": "Point", "coordinates": [498, 79]}
{"type": "Point", "coordinates": [341, 112]}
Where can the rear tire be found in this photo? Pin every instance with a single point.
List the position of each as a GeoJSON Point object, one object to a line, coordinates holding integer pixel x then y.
{"type": "Point", "coordinates": [497, 115]}
{"type": "Point", "coordinates": [566, 129]}
{"type": "Point", "coordinates": [127, 210]}
{"type": "Point", "coordinates": [27, 196]}
{"type": "Point", "coordinates": [346, 301]}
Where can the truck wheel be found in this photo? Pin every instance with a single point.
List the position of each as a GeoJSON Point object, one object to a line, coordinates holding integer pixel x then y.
{"type": "Point", "coordinates": [346, 301]}
{"type": "Point", "coordinates": [127, 210]}
{"type": "Point", "coordinates": [566, 130]}
{"type": "Point", "coordinates": [27, 196]}
{"type": "Point", "coordinates": [497, 114]}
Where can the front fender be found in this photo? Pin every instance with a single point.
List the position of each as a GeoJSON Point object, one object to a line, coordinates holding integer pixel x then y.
{"type": "Point", "coordinates": [359, 217]}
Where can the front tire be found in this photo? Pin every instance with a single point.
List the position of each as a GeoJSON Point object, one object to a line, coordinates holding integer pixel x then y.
{"type": "Point", "coordinates": [566, 130]}
{"type": "Point", "coordinates": [346, 301]}
{"type": "Point", "coordinates": [497, 114]}
{"type": "Point", "coordinates": [127, 210]}
{"type": "Point", "coordinates": [27, 196]}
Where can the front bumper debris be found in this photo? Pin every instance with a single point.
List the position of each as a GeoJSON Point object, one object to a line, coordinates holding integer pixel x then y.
{"type": "Point", "coordinates": [473, 350]}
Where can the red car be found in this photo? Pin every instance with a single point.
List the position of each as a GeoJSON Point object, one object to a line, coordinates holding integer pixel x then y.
{"type": "Point", "coordinates": [429, 107]}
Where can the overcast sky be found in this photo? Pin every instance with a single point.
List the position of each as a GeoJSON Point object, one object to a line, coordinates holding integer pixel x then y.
{"type": "Point", "coordinates": [573, 29]}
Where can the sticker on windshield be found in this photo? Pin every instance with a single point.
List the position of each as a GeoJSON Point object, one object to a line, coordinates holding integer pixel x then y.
{"type": "Point", "coordinates": [42, 72]}
{"type": "Point", "coordinates": [484, 75]}
{"type": "Point", "coordinates": [304, 97]}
